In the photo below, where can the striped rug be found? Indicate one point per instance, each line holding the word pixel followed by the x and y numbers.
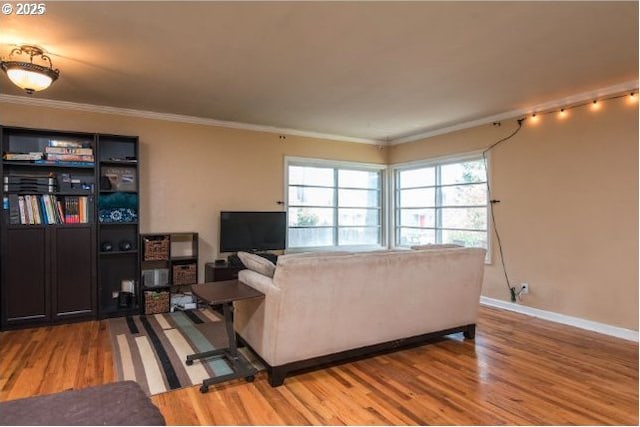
pixel 151 350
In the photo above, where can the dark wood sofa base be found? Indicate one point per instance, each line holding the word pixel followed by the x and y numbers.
pixel 277 374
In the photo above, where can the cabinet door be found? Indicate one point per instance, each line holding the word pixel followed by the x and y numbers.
pixel 25 290
pixel 73 271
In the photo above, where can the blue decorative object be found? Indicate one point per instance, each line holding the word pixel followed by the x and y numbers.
pixel 118 215
pixel 118 200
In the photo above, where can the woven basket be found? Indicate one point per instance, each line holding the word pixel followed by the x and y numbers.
pixel 156 302
pixel 184 274
pixel 156 248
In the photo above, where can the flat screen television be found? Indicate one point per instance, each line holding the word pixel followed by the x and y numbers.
pixel 252 231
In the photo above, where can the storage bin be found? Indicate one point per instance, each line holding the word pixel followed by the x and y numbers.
pixel 185 274
pixel 156 248
pixel 156 302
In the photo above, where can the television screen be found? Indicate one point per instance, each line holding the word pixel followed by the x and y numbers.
pixel 252 231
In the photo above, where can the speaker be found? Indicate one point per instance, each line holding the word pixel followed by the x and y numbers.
pixel 125 245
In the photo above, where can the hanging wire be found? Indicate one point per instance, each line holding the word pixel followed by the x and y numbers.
pixel 493 202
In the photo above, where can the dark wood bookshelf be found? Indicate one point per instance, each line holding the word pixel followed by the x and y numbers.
pixel 116 253
pixel 117 265
pixel 54 273
pixel 116 191
pixel 28 164
pixel 118 162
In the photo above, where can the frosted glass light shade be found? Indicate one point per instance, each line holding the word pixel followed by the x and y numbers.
pixel 28 76
pixel 30 81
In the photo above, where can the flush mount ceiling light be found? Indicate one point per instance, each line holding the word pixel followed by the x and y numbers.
pixel 27 75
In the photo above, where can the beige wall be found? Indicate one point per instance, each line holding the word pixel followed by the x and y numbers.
pixel 189 173
pixel 569 190
pixel 568 216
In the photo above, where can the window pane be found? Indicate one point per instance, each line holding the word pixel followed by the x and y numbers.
pixel 417 177
pixel 469 218
pixel 358 217
pixel 466 238
pixel 358 236
pixel 358 198
pixel 308 237
pixel 309 217
pixel 464 195
pixel 416 236
pixel 417 198
pixel 358 179
pixel 310 196
pixel 418 217
pixel 458 173
pixel 307 175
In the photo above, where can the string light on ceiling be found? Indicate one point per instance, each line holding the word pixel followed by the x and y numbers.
pixel 595 105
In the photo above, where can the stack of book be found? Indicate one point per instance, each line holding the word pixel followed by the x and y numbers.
pixel 67 153
pixel 47 209
pixel 58 153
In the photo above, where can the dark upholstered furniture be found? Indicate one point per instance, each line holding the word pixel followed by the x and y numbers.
pixel 116 404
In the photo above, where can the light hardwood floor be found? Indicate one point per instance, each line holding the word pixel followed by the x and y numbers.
pixel 518 370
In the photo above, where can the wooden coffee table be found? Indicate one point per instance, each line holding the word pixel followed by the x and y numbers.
pixel 225 293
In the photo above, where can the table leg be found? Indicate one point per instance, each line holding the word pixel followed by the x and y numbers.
pixel 240 367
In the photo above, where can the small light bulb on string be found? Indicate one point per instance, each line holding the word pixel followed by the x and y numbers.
pixel 534 119
pixel 633 98
pixel 562 113
pixel 595 105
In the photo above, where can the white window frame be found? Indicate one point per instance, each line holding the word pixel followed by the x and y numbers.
pixel 436 161
pixel 340 164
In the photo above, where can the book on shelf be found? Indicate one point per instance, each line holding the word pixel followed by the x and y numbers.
pixel 69 150
pixel 14 209
pixel 37 155
pixel 71 157
pixel 48 209
pixel 65 143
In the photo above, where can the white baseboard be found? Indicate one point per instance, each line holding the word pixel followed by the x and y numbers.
pixel 614 331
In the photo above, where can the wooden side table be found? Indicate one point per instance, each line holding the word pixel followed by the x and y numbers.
pixel 221 272
pixel 225 293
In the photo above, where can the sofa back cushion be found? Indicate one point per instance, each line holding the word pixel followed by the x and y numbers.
pixel 257 263
pixel 330 304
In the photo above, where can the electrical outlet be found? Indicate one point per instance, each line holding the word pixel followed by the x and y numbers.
pixel 524 289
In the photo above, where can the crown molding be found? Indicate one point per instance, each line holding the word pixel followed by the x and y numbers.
pixel 589 325
pixel 550 105
pixel 562 102
pixel 90 108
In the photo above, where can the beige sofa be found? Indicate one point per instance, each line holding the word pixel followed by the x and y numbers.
pixel 325 307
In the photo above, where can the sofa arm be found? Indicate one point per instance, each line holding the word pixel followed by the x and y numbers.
pixel 255 318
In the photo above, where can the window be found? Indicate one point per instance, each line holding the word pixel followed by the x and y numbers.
pixel 334 204
pixel 442 202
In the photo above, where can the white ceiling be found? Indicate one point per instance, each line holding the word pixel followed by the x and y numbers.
pixel 374 70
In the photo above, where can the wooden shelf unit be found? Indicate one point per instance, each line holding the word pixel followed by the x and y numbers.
pixel 177 270
pixel 52 271
pixel 118 188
